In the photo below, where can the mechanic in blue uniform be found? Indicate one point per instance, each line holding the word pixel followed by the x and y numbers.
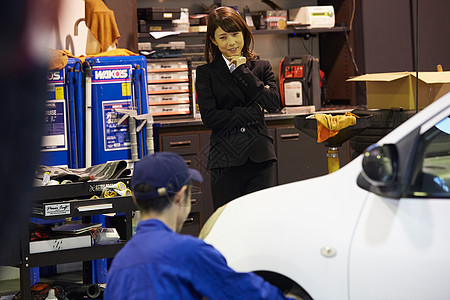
pixel 159 263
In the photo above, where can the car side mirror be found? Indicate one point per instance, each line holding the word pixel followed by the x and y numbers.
pixel 380 164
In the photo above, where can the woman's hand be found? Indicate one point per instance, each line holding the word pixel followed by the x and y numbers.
pixel 237 60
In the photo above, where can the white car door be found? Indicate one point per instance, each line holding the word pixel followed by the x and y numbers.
pixel 401 246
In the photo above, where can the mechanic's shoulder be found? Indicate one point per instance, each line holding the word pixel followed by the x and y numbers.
pixel 190 240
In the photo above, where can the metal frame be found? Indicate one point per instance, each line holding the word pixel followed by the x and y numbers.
pixel 77 195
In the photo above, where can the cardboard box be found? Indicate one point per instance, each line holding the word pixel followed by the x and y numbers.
pixel 387 90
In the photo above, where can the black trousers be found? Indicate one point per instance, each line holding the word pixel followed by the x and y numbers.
pixel 230 183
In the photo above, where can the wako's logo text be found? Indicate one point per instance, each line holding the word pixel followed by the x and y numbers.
pixel 54 76
pixel 110 74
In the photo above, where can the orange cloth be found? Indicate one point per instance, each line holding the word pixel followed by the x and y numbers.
pixel 57 59
pixel 115 52
pixel 67 53
pixel 329 125
pixel 101 22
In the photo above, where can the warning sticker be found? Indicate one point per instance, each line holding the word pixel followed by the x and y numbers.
pixel 54 137
pixel 126 89
pixel 59 92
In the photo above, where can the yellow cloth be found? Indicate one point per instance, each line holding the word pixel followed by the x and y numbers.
pixel 67 53
pixel 329 125
pixel 101 22
pixel 116 52
pixel 57 60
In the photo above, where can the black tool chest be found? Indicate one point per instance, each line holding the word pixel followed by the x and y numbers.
pixel 73 200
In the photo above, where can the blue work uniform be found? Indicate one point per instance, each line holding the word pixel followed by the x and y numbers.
pixel 158 263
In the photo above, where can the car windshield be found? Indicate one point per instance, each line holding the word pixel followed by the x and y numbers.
pixel 444 125
pixel 433 162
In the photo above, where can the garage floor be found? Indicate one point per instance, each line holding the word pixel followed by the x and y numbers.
pixel 11 287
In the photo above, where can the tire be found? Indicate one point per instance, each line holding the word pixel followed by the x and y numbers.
pixel 285 284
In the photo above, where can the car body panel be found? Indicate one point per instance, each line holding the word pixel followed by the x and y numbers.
pixel 401 247
pixel 263 230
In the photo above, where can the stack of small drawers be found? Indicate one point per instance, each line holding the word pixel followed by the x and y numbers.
pixel 169 87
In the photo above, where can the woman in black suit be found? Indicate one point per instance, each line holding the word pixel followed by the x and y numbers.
pixel 233 89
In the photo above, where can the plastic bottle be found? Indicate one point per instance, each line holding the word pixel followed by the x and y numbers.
pixel 51 295
pixel 135 220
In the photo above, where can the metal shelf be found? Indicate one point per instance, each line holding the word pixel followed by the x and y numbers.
pixel 76 198
pixel 72 190
pixel 73 255
pixel 83 207
pixel 145 36
pixel 302 30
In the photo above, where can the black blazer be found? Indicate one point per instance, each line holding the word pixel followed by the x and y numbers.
pixel 231 105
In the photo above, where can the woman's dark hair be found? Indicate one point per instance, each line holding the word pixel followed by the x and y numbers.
pixel 230 21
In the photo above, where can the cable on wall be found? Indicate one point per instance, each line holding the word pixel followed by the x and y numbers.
pixel 353 15
pixel 352 54
pixel 417 56
pixel 415 45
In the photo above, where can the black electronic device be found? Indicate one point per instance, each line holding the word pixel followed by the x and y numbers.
pixel 157 18
pixel 299 81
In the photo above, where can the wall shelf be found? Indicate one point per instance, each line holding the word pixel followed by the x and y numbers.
pixel 146 36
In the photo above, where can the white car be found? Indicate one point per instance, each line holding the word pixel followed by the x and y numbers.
pixel 378 228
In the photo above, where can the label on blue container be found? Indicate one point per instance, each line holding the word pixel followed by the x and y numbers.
pixel 55 85
pixel 116 137
pixel 111 74
pixel 54 137
pixel 55 77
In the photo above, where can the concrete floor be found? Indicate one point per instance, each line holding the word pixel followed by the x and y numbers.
pixel 10 287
